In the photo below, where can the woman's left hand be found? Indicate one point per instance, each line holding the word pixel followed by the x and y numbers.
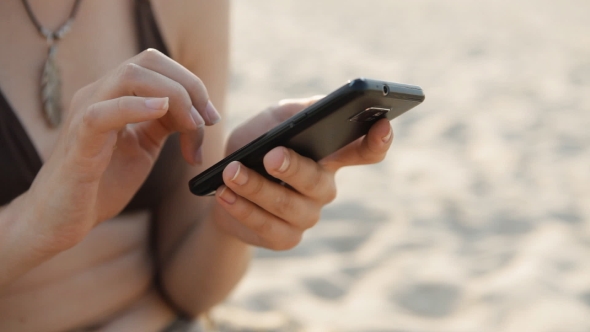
pixel 267 214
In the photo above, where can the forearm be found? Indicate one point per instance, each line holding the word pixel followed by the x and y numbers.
pixel 23 246
pixel 205 268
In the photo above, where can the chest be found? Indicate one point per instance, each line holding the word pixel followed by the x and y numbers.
pixel 102 36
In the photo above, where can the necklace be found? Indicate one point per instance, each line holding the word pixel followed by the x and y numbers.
pixel 50 76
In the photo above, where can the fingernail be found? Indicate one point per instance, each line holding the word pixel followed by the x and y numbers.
pixel 386 138
pixel 285 163
pixel 197 117
pixel 199 156
pixel 212 113
pixel 227 196
pixel 157 103
pixel 240 177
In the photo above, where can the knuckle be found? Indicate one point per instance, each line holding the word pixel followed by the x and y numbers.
pixel 265 243
pixel 254 187
pixel 312 182
pixel 245 212
pixel 284 102
pixel 313 219
pixel 81 95
pixel 325 188
pixel 372 155
pixel 120 105
pixel 376 158
pixel 128 72
pixel 195 84
pixel 264 227
pixel 90 116
pixel 182 95
pixel 288 242
pixel 294 240
pixel 284 204
pixel 331 193
pixel 77 97
pixel 150 55
pixel 291 107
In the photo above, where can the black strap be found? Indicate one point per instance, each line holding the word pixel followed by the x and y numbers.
pixel 149 33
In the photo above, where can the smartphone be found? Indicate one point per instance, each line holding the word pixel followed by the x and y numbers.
pixel 321 129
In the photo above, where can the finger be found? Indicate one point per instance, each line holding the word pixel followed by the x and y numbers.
pixel 303 174
pixel 307 101
pixel 370 149
pixel 276 114
pixel 157 61
pixel 286 204
pixel 268 230
pixel 132 79
pixel 191 146
pixel 190 142
pixel 114 114
pixel 286 108
pixel 269 118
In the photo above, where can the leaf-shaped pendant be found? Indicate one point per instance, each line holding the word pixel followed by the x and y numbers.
pixel 51 89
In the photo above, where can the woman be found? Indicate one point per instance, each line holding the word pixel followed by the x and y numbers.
pixel 86 242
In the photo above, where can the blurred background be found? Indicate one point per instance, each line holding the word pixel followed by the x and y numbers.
pixel 478 220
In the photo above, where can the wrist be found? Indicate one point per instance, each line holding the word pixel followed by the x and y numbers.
pixel 24 243
pixel 19 244
pixel 218 228
pixel 43 225
pixel 219 224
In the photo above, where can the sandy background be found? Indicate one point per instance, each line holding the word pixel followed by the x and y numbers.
pixel 479 219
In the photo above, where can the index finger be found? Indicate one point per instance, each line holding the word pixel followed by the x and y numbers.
pixel 155 60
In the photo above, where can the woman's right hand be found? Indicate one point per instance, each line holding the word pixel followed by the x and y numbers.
pixel 113 133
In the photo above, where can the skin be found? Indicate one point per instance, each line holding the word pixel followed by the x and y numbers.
pixel 122 108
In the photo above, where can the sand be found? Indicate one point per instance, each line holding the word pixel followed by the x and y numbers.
pixel 479 218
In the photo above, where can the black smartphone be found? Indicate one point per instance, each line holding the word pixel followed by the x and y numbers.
pixel 324 127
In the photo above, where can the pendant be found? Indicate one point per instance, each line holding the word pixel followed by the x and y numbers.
pixel 51 89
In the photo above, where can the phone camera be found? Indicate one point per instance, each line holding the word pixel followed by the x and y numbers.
pixel 385 90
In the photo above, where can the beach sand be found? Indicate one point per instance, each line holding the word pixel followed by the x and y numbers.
pixel 479 218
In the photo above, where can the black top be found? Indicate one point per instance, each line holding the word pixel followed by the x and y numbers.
pixel 20 162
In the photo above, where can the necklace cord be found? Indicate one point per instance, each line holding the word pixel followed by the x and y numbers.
pixel 50 82
pixel 59 32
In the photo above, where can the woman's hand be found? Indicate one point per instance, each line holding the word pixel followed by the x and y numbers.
pixel 112 135
pixel 274 216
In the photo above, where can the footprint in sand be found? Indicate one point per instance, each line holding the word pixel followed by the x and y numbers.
pixel 428 299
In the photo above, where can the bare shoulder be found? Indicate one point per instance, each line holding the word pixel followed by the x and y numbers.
pixel 193 29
